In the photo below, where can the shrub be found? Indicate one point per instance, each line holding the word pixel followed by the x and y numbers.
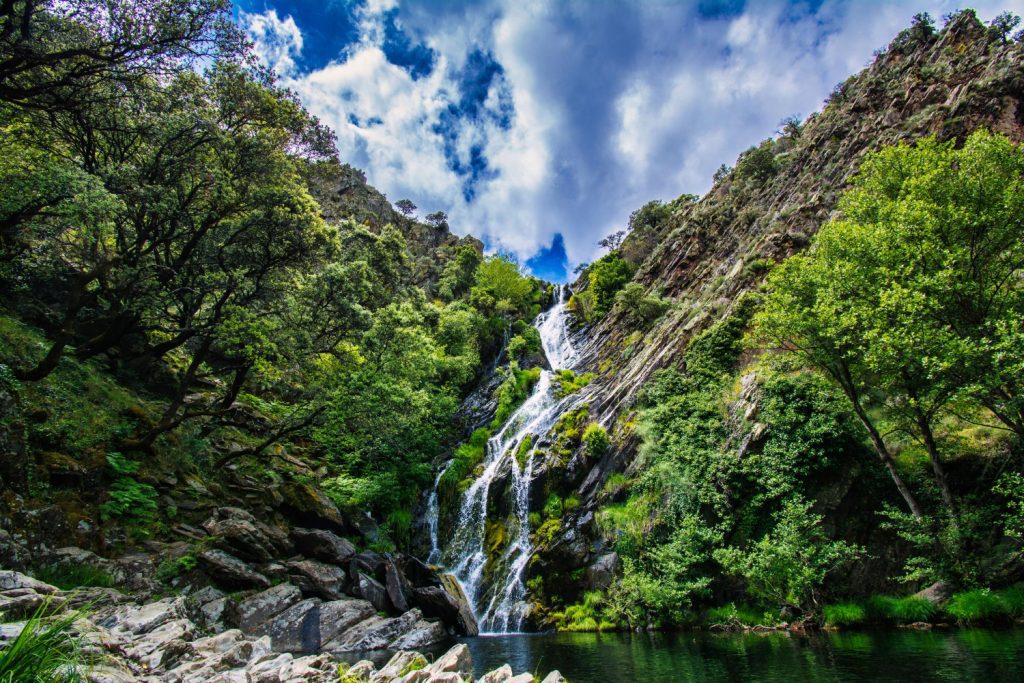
pixel 569 382
pixel 844 614
pixel 46 650
pixel 1012 599
pixel 639 307
pixel 170 569
pixel 607 276
pixel 68 576
pixel 738 615
pixel 903 610
pixel 975 606
pixel 132 501
pixel 595 440
pixel 513 391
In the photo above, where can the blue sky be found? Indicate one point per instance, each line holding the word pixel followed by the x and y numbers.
pixel 539 126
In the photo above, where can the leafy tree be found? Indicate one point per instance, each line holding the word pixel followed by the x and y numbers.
pixel 406 207
pixel 612 241
pixel 607 276
pixel 438 219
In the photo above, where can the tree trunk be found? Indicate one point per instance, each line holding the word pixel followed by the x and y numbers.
pixel 940 473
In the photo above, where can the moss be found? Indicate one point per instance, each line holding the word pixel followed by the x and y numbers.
pixel 570 383
pixel 596 441
pixel 547 532
pixel 523 450
pixel 415 664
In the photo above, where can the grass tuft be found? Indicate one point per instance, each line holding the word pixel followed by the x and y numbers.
pixel 69 576
pixel 975 606
pixel 844 614
pixel 47 649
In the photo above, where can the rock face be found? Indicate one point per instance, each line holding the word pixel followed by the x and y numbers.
pixel 448 603
pixel 231 571
pixel 323 545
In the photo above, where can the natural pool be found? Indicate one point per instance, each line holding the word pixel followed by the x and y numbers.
pixel 990 655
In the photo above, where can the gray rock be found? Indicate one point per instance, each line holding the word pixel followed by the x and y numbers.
pixel 338 616
pixel 230 571
pixel 10 580
pixel 362 670
pixel 554 677
pixel 423 634
pixel 398 587
pixel 379 633
pixel 367 562
pixel 602 571
pixel 259 608
pixel 318 578
pixel 400 664
pixel 449 604
pixel 374 592
pixel 238 532
pixel 457 660
pixel 323 545
pixel 297 629
pixel 502 674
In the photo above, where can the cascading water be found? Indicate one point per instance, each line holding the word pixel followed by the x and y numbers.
pixel 501 606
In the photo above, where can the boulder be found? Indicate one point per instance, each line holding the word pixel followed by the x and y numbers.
pixel 380 633
pixel 319 579
pixel 602 571
pixel 259 608
pixel 398 587
pixel 229 571
pixel 418 573
pixel 449 604
pixel 502 674
pixel 362 670
pixel 297 629
pixel 400 664
pixel 422 634
pixel 457 660
pixel 369 563
pixel 310 507
pixel 554 677
pixel 239 533
pixel 20 603
pixel 323 545
pixel 937 593
pixel 12 580
pixel 337 616
pixel 374 592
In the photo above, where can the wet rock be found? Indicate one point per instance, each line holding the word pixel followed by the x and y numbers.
pixel 259 608
pixel 20 603
pixel 450 607
pixel 323 545
pixel 423 634
pixel 374 592
pixel 419 574
pixel 229 571
pixel 297 629
pixel 318 578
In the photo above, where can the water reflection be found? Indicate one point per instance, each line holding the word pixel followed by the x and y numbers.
pixel 948 655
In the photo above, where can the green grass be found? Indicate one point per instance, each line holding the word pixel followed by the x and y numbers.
pixel 905 610
pixel 844 614
pixel 1013 600
pixel 738 615
pixel 69 576
pixel 976 606
pixel 46 650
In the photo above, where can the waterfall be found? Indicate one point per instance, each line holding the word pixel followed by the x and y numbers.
pixel 501 606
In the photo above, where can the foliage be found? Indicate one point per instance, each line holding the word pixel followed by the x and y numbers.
pixel 737 615
pixel 513 391
pixel 593 613
pixel 788 565
pixel 596 440
pixel 757 164
pixel 47 650
pixel 975 606
pixel 904 610
pixel 171 568
pixel 844 614
pixel 130 500
pixel 525 343
pixel 569 382
pixel 467 456
pixel 606 276
pixel 640 307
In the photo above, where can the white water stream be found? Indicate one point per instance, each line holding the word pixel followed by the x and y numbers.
pixel 501 606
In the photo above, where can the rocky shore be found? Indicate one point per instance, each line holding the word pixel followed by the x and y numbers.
pixel 181 639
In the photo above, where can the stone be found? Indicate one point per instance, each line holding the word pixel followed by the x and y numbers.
pixel 362 670
pixel 374 592
pixel 20 603
pixel 423 634
pixel 502 674
pixel 239 533
pixel 337 616
pixel 457 660
pixel 323 545
pixel 937 593
pixel 10 580
pixel 380 633
pixel 138 620
pixel 397 586
pixel 318 579
pixel 554 677
pixel 400 664
pixel 230 571
pixel 449 604
pixel 602 570
pixel 297 629
pixel 310 507
pixel 259 608
pixel 418 573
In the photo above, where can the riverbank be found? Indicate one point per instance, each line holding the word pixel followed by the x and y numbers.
pixel 104 636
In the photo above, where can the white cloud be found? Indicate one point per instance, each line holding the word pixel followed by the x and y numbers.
pixel 615 104
pixel 276 42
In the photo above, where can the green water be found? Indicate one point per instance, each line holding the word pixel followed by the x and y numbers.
pixel 989 655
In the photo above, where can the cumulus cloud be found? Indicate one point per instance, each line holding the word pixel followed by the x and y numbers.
pixel 526 120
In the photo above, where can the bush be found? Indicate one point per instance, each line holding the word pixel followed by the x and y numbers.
pixel 844 614
pixel 170 569
pixel 595 440
pixel 738 615
pixel 1012 599
pixel 639 307
pixel 46 650
pixel 975 606
pixel 513 391
pixel 607 276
